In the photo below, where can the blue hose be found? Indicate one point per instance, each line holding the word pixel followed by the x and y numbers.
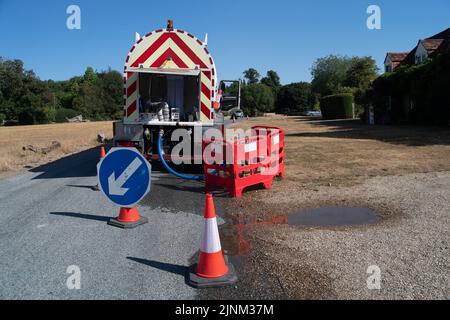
pixel 169 169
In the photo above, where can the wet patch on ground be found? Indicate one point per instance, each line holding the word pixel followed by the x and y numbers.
pixel 234 234
pixel 333 217
pixel 264 276
pixel 260 276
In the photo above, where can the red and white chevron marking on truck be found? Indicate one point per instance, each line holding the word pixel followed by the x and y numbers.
pixel 172 49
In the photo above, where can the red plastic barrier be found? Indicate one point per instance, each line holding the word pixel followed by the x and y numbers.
pixel 245 162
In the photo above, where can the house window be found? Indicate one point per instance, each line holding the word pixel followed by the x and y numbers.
pixel 420 59
pixel 388 68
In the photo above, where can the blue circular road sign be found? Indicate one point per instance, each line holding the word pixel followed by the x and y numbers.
pixel 124 176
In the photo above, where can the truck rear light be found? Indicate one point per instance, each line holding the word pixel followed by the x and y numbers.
pixel 126 144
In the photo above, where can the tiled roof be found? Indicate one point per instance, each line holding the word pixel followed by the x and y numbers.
pixel 397 56
pixel 440 41
pixel 431 45
pixel 442 35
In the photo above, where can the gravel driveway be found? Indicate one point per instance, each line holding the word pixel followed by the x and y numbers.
pixel 409 245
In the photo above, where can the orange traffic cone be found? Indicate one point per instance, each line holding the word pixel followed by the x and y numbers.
pixel 213 269
pixel 102 155
pixel 102 152
pixel 128 218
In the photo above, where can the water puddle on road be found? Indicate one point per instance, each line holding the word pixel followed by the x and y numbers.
pixel 235 241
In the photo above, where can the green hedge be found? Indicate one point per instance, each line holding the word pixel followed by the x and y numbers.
pixel 426 85
pixel 338 106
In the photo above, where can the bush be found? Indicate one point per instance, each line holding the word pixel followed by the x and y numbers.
pixel 339 106
pixel 62 114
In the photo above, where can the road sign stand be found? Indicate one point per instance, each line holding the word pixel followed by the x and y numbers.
pixel 128 218
pixel 202 283
pixel 124 177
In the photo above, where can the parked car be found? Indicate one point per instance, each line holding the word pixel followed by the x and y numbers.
pixel 237 114
pixel 313 114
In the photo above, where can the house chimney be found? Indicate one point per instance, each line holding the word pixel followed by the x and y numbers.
pixel 169 24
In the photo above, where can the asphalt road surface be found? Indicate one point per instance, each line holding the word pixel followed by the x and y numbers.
pixel 51 219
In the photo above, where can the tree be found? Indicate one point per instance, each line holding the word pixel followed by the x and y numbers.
pixel 272 80
pixel 361 72
pixel 294 97
pixel 111 89
pixel 329 74
pixel 88 103
pixel 252 76
pixel 11 86
pixel 256 98
pixel 90 76
pixel 24 97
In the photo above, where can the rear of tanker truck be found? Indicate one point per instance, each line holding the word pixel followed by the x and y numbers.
pixel 170 83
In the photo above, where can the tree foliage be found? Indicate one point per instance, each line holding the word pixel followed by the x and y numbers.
pixel 26 98
pixel 329 74
pixel 272 80
pixel 23 96
pixel 294 97
pixel 343 75
pixel 252 76
pixel 98 95
pixel 340 74
pixel 361 72
pixel 256 99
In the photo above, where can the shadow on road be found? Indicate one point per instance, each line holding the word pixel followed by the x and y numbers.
pixel 168 267
pixel 200 188
pixel 82 164
pixel 188 188
pixel 93 187
pixel 189 169
pixel 81 216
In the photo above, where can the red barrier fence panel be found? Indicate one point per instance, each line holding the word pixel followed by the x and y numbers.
pixel 244 162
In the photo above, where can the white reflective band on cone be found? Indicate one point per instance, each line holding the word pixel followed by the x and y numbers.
pixel 210 237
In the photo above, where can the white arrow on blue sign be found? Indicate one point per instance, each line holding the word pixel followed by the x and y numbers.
pixel 124 176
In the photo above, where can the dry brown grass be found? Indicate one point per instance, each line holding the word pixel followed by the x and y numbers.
pixel 73 137
pixel 347 152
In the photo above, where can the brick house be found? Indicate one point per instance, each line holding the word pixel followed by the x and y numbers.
pixel 424 49
pixel 404 97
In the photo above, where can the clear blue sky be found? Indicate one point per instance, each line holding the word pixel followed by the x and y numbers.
pixel 283 35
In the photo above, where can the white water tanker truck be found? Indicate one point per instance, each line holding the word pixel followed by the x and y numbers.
pixel 170 82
